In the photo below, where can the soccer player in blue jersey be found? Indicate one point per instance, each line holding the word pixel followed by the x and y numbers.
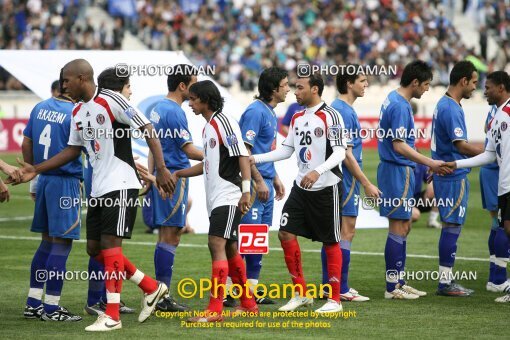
pixel 169 215
pixel 259 127
pixel 489 176
pixel 350 87
pixel 55 216
pixel 395 174
pixel 449 142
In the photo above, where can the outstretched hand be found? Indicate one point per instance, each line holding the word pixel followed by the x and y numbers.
pixel 23 174
pixel 442 168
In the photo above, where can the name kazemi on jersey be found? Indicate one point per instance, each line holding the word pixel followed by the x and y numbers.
pixel 110 154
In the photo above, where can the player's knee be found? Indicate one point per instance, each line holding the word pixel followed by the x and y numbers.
pixel 231 249
pixel 285 236
pixel 416 215
pixel 92 250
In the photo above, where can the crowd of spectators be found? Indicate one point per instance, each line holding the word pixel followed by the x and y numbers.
pixel 241 37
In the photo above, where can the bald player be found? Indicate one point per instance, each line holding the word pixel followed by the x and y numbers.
pixel 101 124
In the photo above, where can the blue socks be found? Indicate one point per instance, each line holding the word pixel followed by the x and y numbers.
pixel 253 266
pixel 345 247
pixel 96 287
pixel 164 261
pixel 447 252
pixel 324 261
pixel 501 260
pixel 394 256
pixel 56 267
pixel 38 264
pixel 492 253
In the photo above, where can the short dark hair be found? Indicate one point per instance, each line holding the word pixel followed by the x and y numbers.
pixel 462 69
pixel 108 79
pixel 269 81
pixel 181 73
pixel 346 77
pixel 55 86
pixel 416 70
pixel 500 78
pixel 208 93
pixel 315 79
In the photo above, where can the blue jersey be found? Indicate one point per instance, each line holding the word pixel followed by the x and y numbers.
pixel 351 123
pixel 396 122
pixel 170 123
pixel 259 127
pixel 293 108
pixel 448 126
pixel 492 113
pixel 49 128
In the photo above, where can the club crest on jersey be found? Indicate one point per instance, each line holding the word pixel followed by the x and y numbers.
pixel 305 155
pixel 184 134
pixel 232 140
pixel 250 134
pixel 458 132
pixel 100 119
pixel 97 146
pixel 154 117
pixel 318 132
pixel 504 126
pixel 130 112
pixel 212 143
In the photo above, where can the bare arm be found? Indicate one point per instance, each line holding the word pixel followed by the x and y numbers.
pixel 195 170
pixel 27 151
pixel 65 156
pixel 468 149
pixel 192 152
pixel 244 202
pixel 262 189
pixel 150 163
pixel 410 153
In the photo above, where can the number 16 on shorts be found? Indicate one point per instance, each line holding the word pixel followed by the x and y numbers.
pixel 253 239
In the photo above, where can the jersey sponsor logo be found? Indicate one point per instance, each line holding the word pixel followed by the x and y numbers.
pixel 232 140
pixel 250 134
pixel 212 143
pixel 100 119
pixel 504 126
pixel 318 132
pixel 305 155
pixel 130 112
pixel 458 132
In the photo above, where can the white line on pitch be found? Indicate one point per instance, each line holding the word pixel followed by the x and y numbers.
pixel 190 245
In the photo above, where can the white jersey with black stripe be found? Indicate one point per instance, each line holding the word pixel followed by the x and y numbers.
pixel 223 145
pixel 313 133
pixel 102 126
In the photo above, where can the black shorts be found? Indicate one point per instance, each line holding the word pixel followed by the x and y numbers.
pixel 113 213
pixel 421 202
pixel 503 209
pixel 316 215
pixel 224 222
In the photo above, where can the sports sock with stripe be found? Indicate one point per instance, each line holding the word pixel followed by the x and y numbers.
pixel 237 271
pixel 96 286
pixel 292 254
pixel 145 282
pixel 334 255
pixel 253 266
pixel 501 256
pixel 345 247
pixel 163 262
pixel 218 280
pixel 56 267
pixel 393 255
pixel 114 269
pixel 447 252
pixel 38 264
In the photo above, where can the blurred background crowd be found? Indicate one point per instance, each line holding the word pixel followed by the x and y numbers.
pixel 241 37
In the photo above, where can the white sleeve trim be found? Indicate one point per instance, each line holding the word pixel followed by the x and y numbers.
pixel 276 155
pixel 335 159
pixel 487 157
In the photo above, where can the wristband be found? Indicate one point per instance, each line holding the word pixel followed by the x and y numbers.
pixel 246 186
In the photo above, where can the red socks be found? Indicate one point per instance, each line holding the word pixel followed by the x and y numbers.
pixel 334 258
pixel 145 282
pixel 237 272
pixel 218 278
pixel 114 269
pixel 292 254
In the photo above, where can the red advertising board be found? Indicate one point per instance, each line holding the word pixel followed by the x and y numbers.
pixel 11 134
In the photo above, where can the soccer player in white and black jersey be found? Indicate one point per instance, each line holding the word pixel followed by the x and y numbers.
pixel 101 123
pixel 497 91
pixel 313 209
pixel 227 195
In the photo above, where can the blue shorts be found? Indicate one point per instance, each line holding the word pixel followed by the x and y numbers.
pixel 489 188
pixel 452 199
pixel 397 185
pixel 350 197
pixel 261 212
pixel 57 211
pixel 172 211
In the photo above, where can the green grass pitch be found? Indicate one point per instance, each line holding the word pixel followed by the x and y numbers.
pixel 427 317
